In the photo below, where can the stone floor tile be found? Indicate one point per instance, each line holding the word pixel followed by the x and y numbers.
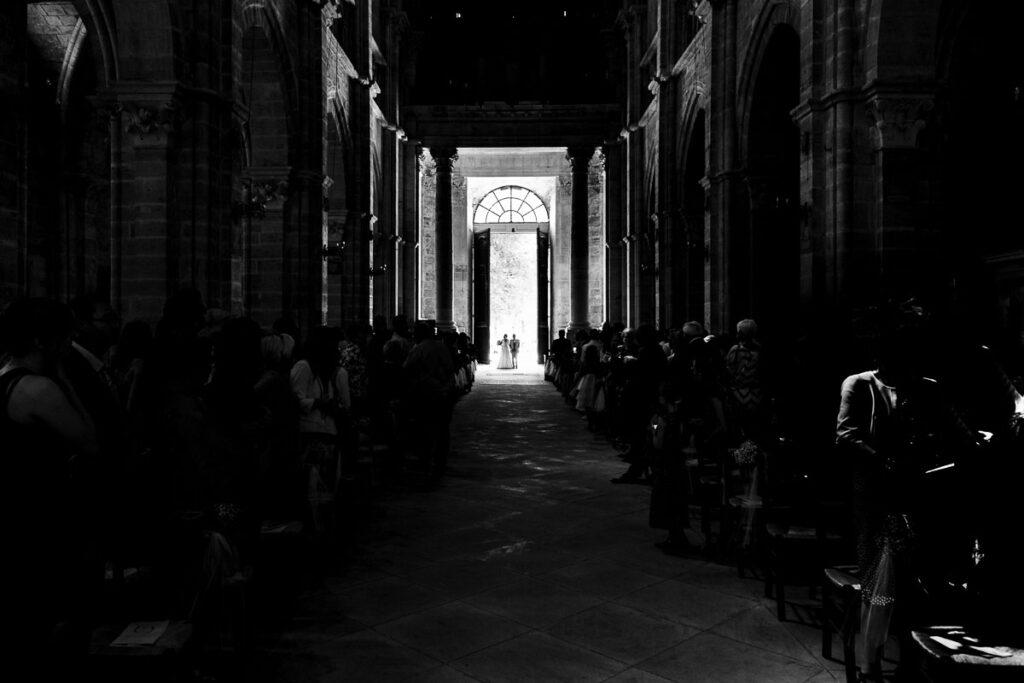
pixel 760 627
pixel 452 631
pixel 536 657
pixel 602 578
pixel 621 633
pixel 442 674
pixel 460 578
pixel 713 659
pixel 377 602
pixel 370 657
pixel 533 602
pixel 637 676
pixel 686 604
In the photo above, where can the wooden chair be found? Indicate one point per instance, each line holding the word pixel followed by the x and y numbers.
pixel 709 489
pixel 955 653
pixel 799 540
pixel 840 614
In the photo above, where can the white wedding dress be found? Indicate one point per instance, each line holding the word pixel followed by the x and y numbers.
pixel 504 356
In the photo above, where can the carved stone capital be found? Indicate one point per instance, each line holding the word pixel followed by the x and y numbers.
pixel 444 158
pixel 258 196
pixel 897 119
pixel 579 158
pixel 149 124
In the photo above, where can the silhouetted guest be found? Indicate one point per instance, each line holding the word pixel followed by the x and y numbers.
pixel 49 445
pixel 746 400
pixel 322 388
pixel 640 397
pixel 280 475
pixel 431 373
pixel 238 424
pixel 353 359
pixel 890 427
pixel 128 364
pixel 89 372
pixel 400 343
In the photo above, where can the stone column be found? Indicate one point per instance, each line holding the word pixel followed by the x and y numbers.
pixel 13 216
pixel 725 181
pixel 149 247
pixel 444 157
pixel 613 232
pixel 305 272
pixel 579 271
pixel 906 253
pixel 409 217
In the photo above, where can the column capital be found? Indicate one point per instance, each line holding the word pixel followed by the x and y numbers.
pixel 444 158
pixel 579 157
pixel 149 124
pixel 897 117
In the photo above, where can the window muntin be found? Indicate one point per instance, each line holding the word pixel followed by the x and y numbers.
pixel 511 204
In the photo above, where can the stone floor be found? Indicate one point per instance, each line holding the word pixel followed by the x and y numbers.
pixel 526 564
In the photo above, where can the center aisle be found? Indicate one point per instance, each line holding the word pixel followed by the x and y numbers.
pixel 526 564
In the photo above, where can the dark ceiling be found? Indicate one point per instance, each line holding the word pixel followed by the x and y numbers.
pixel 521 51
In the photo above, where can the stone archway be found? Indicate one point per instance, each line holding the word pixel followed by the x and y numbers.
pixel 68 133
pixel 694 214
pixel 501 228
pixel 767 265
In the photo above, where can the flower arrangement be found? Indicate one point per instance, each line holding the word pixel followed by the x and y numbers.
pixel 747 453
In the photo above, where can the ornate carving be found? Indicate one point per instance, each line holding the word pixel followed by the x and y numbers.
pixel 579 158
pixel 144 122
pixel 258 196
pixel 898 119
pixel 444 158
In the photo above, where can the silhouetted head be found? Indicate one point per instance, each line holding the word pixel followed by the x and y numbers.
pixel 31 325
pixel 422 331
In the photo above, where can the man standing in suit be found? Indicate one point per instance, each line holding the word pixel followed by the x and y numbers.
pixel 513 346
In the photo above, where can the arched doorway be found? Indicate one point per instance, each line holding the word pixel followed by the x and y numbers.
pixel 694 213
pixel 771 249
pixel 511 247
pixel 68 238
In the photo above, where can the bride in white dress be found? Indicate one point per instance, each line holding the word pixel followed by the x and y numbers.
pixel 504 355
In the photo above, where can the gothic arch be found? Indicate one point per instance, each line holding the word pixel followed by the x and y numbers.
pixel 693 166
pixel 695 105
pixel 339 147
pixel 765 261
pixel 257 13
pixel 150 31
pixel 774 16
pixel 900 39
pixel 99 23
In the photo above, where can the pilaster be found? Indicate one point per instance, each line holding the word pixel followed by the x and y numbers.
pixel 444 158
pixel 579 267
